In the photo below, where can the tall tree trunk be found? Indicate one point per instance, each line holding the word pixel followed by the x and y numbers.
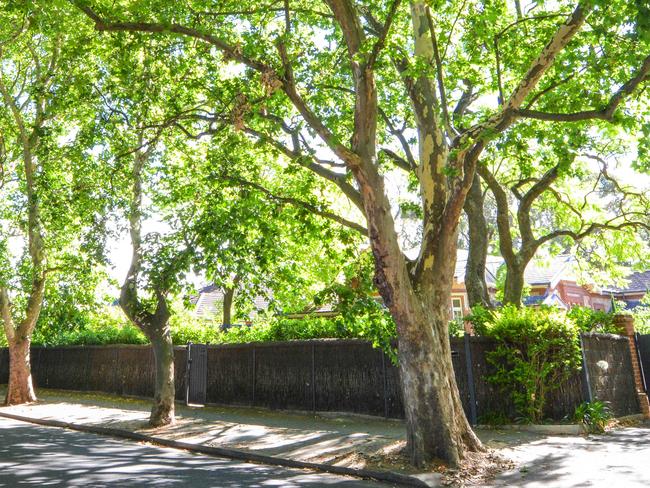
pixel 154 324
pixel 435 420
pixel 163 409
pixel 477 290
pixel 436 423
pixel 20 388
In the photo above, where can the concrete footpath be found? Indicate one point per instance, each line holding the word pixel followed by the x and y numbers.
pixel 345 444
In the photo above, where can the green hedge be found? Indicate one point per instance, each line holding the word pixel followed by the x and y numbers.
pixel 109 326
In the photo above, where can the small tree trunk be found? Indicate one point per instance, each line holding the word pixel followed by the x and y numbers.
pixel 228 296
pixel 477 290
pixel 513 289
pixel 20 388
pixel 163 409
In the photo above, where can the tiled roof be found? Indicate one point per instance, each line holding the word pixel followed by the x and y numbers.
pixel 492 264
pixel 552 300
pixel 632 304
pixel 637 282
pixel 209 302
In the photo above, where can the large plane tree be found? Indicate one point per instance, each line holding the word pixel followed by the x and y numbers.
pixel 350 88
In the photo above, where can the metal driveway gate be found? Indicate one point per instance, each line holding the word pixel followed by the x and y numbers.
pixel 643 348
pixel 197 374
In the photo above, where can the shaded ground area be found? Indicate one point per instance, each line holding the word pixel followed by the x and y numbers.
pixel 615 459
pixel 342 440
pixel 31 455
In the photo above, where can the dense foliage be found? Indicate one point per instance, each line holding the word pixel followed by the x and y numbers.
pixel 238 139
pixel 108 325
pixel 537 349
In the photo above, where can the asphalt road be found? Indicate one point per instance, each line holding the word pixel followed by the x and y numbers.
pixel 31 455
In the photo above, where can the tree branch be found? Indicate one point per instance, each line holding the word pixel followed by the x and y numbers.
pixel 297 202
pixel 507 114
pixel 381 41
pixel 605 113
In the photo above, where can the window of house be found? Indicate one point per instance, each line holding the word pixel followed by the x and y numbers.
pixel 457 312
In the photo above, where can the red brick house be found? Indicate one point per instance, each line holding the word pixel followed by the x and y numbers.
pixel 552 282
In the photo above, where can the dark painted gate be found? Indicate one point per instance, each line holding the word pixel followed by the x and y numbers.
pixel 643 347
pixel 197 373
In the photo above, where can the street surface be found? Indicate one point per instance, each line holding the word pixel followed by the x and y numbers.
pixel 32 455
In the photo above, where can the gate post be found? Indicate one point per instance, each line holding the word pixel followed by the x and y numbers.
pixel 469 365
pixel 187 373
pixel 625 324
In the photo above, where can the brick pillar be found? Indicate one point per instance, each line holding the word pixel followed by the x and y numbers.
pixel 625 324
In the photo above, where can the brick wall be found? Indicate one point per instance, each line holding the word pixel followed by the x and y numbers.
pixel 625 324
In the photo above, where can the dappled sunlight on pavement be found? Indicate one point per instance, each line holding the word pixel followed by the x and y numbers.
pixel 616 459
pixel 611 460
pixel 43 456
pixel 300 437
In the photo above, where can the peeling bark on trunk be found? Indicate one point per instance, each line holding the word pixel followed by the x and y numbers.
pixel 20 389
pixel 477 290
pixel 436 423
pixel 435 420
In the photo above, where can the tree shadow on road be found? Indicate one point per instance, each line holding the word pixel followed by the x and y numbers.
pixel 40 456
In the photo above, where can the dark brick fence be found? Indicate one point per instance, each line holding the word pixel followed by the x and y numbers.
pixel 327 375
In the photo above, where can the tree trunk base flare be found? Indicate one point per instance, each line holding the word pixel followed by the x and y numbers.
pixel 162 413
pixel 163 410
pixel 437 428
pixel 20 389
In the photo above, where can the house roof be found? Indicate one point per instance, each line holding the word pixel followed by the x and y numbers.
pixel 552 300
pixel 492 264
pixel 637 282
pixel 543 272
pixel 210 301
pixel 538 272
pixel 633 304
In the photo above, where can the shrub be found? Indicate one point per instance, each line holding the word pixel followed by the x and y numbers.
pixel 642 319
pixel 593 415
pixel 108 325
pixel 537 350
pixel 456 328
pixel 590 320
